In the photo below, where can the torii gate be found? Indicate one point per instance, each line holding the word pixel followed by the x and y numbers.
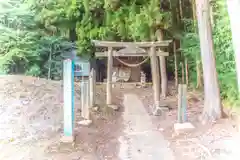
pixel 152 49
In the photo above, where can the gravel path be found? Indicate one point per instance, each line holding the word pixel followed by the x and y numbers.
pixel 141 140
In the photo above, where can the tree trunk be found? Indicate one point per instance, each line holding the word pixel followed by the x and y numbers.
pixel 211 14
pixel 50 62
pixel 176 17
pixel 194 11
pixel 198 59
pixel 199 73
pixel 212 102
pixel 186 71
pixel 175 64
pixel 162 66
pixel 234 12
pixel 180 9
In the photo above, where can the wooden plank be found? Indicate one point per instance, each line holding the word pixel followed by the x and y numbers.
pixel 132 50
pixel 125 83
pixel 116 54
pixel 125 44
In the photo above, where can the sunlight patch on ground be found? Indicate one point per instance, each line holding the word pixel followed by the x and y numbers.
pixel 141 140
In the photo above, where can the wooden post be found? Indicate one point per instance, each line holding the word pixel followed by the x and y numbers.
pixel 179 103
pixel 92 87
pixel 155 77
pixel 184 103
pixel 182 125
pixel 85 99
pixel 109 76
pixel 175 64
pixel 68 94
pixel 163 75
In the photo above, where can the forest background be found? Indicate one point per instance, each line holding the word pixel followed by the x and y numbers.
pixel 35 33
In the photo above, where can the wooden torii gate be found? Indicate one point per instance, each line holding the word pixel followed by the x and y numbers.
pixel 118 49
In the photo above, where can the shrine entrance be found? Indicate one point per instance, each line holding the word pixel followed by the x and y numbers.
pixel 118 51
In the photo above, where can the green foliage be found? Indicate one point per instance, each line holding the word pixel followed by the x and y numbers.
pixel 34 33
pixel 119 21
pixel 34 70
pixel 24 47
pixel 190 47
pixel 225 62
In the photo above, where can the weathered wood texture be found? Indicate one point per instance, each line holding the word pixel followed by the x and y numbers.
pixel 117 54
pixel 162 66
pixel 164 80
pixel 212 102
pixel 125 44
pixel 109 76
pixel 133 49
pixel 155 77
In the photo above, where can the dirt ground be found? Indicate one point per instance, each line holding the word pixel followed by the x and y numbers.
pixel 31 124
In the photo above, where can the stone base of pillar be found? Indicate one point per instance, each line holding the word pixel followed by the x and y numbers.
pixel 114 107
pixel 86 122
pixel 159 110
pixel 183 127
pixel 67 139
